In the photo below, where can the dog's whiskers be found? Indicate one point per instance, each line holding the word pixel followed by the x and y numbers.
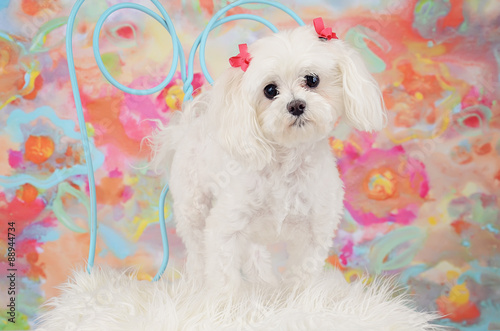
pixel 299 121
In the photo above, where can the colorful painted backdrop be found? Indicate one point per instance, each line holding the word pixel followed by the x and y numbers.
pixel 422 196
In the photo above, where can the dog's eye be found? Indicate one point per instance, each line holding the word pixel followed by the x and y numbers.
pixel 271 91
pixel 312 80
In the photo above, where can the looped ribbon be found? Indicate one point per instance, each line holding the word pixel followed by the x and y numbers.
pixel 323 33
pixel 241 60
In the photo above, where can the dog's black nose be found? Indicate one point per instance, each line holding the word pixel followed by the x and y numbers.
pixel 296 107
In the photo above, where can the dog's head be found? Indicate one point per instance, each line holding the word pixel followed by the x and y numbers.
pixel 294 90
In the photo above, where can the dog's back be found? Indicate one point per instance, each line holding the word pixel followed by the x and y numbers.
pixel 167 137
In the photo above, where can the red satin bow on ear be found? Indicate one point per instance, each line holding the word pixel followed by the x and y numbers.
pixel 325 33
pixel 241 60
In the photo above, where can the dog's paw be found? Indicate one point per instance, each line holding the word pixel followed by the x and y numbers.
pixel 299 276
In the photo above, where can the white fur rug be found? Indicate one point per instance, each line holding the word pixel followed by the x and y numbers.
pixel 112 300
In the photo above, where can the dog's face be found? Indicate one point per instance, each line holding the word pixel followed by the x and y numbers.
pixel 296 87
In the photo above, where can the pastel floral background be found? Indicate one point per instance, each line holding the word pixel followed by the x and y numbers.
pixel 422 196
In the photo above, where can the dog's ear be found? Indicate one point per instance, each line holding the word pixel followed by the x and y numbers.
pixel 237 127
pixel 363 102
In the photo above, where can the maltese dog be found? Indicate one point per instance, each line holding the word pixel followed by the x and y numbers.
pixel 249 162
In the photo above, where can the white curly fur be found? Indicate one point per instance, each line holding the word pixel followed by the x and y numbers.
pixel 244 172
pixel 111 300
pixel 243 176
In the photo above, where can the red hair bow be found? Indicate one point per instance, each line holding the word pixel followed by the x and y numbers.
pixel 241 60
pixel 323 33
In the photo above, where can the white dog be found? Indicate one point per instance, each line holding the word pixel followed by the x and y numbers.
pixel 249 163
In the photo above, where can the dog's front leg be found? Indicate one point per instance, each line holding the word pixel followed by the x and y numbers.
pixel 257 267
pixel 308 249
pixel 225 241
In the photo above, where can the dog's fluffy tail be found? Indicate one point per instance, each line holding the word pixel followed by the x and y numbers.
pixel 166 138
pixel 162 143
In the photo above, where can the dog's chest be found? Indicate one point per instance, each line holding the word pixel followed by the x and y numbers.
pixel 289 198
